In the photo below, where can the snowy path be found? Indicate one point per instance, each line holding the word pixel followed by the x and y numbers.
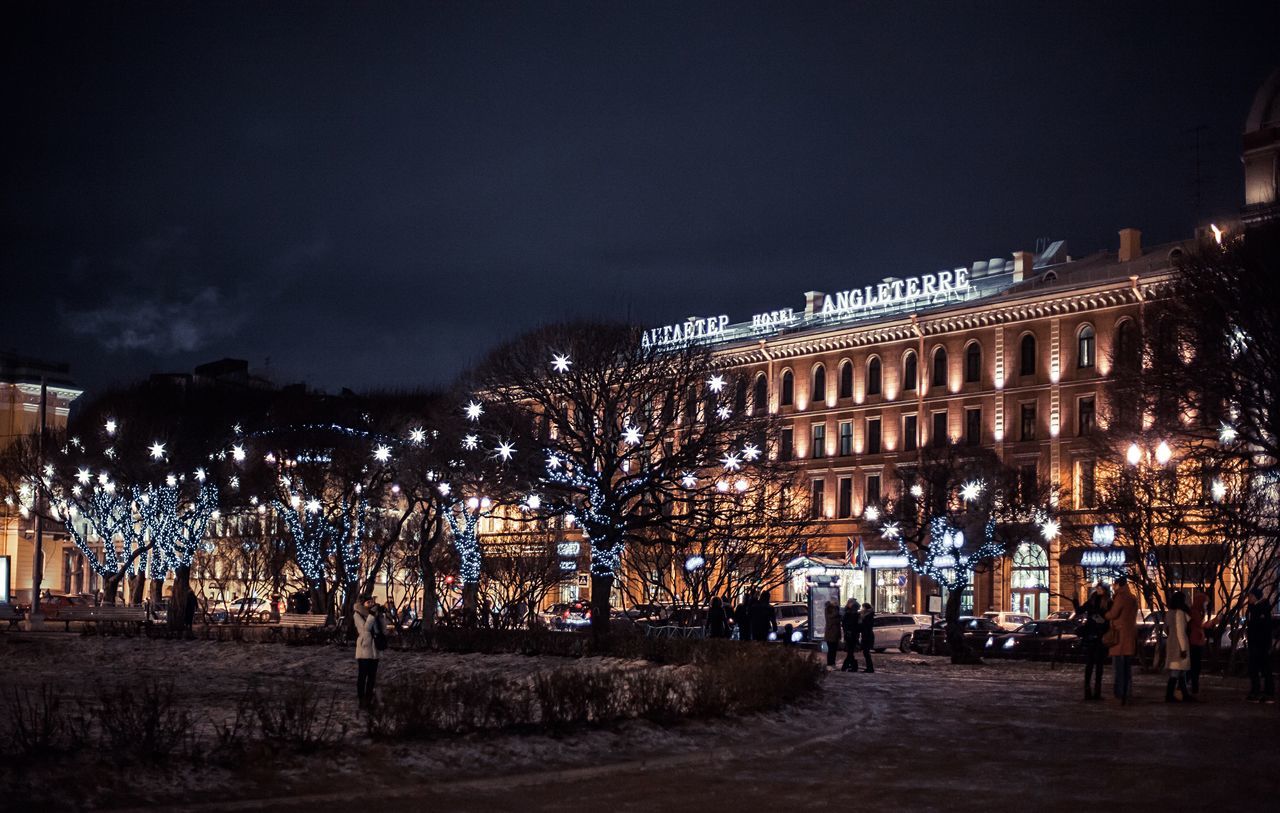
pixel 919 734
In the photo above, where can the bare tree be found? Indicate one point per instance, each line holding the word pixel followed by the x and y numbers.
pixel 627 428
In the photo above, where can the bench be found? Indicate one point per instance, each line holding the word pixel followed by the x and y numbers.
pixel 297 621
pixel 12 614
pixel 130 616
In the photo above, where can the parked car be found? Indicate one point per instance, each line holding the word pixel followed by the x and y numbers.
pixel 50 606
pixel 1037 639
pixel 1008 621
pixel 976 632
pixel 1061 615
pixel 895 630
pixel 797 615
pixel 249 608
pixel 569 616
pixel 645 612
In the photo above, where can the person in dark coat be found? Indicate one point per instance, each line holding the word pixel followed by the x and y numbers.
pixel 742 617
pixel 1262 686
pixel 1094 615
pixel 189 611
pixel 868 635
pixel 717 620
pixel 831 631
pixel 763 619
pixel 1196 634
pixel 851 623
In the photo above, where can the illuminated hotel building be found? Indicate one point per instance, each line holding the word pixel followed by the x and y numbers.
pixel 1005 354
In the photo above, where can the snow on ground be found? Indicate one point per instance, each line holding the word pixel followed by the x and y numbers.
pixel 918 734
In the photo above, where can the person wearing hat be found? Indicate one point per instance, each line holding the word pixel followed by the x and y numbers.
pixel 1258 623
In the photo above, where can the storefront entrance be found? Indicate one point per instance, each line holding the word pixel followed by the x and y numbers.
pixel 1029 580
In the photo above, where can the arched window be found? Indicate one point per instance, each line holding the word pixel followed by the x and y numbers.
pixel 1086 347
pixel 740 396
pixel 973 363
pixel 760 397
pixel 873 376
pixel 819 392
pixel 1027 355
pixel 846 379
pixel 788 390
pixel 910 373
pixel 939 367
pixel 1126 350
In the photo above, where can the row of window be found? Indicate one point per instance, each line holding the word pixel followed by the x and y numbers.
pixel 1086 357
pixel 1086 421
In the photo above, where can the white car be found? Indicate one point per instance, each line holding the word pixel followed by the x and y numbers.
pixel 1008 621
pixel 894 629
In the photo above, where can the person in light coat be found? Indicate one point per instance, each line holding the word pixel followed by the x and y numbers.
pixel 368 621
pixel 1123 618
pixel 1177 649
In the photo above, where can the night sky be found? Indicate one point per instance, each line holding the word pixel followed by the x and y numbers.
pixel 370 195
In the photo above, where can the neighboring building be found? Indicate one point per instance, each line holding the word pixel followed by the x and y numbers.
pixel 1261 155
pixel 20 385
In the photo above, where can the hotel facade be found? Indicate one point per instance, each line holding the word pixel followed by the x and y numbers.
pixel 1010 355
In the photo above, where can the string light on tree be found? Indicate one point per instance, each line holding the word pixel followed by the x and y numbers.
pixel 237 453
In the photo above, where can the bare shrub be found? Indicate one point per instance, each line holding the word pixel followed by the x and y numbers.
pixel 297 717
pixel 40 722
pixel 147 721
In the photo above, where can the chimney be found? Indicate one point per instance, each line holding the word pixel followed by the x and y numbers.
pixel 1023 262
pixel 1130 245
pixel 813 302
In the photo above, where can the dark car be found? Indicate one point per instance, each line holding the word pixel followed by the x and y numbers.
pixel 50 606
pixel 976 631
pixel 1055 640
pixel 569 616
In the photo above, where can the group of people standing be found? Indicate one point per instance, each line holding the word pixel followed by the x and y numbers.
pixel 753 617
pixel 857 625
pixel 1110 630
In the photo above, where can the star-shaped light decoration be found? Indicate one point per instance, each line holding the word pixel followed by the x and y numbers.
pixel 110 487
pixel 75 442
pixel 716 382
pixel 76 490
pixel 84 476
pixel 443 488
pixel 103 477
pixel 237 453
pixel 890 530
pixel 171 481
pixel 382 453
pixel 269 457
pixel 533 502
pixel 253 500
pixel 970 490
pixel 313 506
pixel 470 442
pixel 631 435
pixel 1218 489
pixel 1227 433
pixel 474 410
pixel 871 514
pixel 295 501
pixel 417 435
pixel 157 450
pixel 1049 529
pixel 917 491
pixel 235 428
pixel 110 426
pixel 48 470
pixel 505 450
pixel 723 413
pixel 731 462
pixel 689 480
pixel 235 482
pixel 553 462
pixel 750 452
pixel 560 363
pixel 201 475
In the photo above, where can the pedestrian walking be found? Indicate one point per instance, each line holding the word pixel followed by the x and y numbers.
pixel 1122 638
pixel 1262 686
pixel 831 631
pixel 764 621
pixel 1177 649
pixel 1093 629
pixel 1196 635
pixel 717 620
pixel 851 623
pixel 369 628
pixel 742 617
pixel 867 635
